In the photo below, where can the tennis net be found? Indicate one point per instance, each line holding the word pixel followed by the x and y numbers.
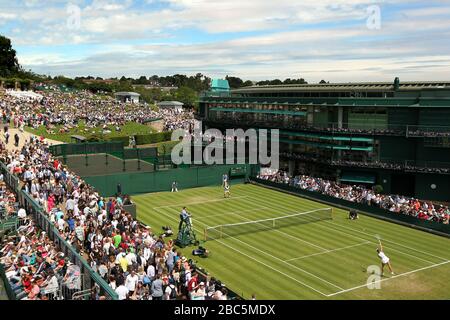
pixel 234 229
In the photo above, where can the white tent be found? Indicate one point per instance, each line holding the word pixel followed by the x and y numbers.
pixel 26 95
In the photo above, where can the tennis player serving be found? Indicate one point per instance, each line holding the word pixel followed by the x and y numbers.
pixel 384 259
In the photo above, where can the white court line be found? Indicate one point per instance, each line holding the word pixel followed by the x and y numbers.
pixel 281 260
pixel 390 278
pixel 198 202
pixel 333 250
pixel 356 237
pixel 368 234
pixel 228 213
pixel 284 233
pixel 263 263
pixel 385 240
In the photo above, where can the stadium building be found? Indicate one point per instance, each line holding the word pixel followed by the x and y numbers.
pixel 395 135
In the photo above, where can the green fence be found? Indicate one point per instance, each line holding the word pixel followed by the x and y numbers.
pixel 90 277
pixel 86 148
pixel 146 182
pixel 136 153
pixel 7 285
pixel 104 163
pixel 429 226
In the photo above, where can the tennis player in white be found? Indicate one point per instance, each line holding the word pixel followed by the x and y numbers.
pixel 384 260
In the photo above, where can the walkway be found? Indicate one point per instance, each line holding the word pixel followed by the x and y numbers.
pixel 23 136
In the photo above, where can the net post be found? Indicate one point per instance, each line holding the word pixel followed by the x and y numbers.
pixel 332 213
pixel 205 234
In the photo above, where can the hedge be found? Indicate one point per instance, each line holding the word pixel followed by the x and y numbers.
pixel 125 140
pixel 153 138
pixel 145 138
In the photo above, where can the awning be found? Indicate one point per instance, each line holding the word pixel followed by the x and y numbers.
pixel 242 110
pixel 358 177
pixel 78 138
pixel 322 137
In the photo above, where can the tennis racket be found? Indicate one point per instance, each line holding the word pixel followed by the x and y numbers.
pixel 378 238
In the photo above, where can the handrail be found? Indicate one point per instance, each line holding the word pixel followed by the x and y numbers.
pixel 42 220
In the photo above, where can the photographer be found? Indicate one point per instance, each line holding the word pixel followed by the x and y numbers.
pixel 353 215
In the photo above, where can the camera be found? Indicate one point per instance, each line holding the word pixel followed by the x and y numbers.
pixel 167 231
pixel 202 252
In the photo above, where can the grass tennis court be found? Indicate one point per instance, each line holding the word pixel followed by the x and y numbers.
pixel 326 259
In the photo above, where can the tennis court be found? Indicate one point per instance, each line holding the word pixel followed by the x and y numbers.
pixel 308 256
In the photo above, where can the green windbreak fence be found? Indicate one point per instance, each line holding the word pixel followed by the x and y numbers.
pixel 136 153
pixel 115 148
pixel 146 182
pixel 367 120
pixel 86 148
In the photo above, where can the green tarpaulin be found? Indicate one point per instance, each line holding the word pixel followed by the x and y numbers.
pixel 358 177
pixel 242 110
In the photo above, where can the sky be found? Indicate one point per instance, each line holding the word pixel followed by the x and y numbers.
pixel 334 40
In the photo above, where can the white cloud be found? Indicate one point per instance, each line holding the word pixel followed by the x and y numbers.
pixel 309 38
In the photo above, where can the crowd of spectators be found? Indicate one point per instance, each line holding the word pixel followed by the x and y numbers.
pixel 441 168
pixel 66 110
pixel 33 265
pixel 292 123
pixel 137 263
pixel 429 132
pixel 425 210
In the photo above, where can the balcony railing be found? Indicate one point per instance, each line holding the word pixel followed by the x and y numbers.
pixel 387 164
pixel 334 127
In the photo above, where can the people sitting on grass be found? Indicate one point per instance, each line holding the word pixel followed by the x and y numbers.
pixel 57 108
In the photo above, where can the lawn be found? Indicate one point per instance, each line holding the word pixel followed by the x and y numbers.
pixel 130 128
pixel 318 260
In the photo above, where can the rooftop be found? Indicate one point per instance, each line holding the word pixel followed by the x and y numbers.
pixel 126 94
pixel 170 103
pixel 362 86
pixel 219 84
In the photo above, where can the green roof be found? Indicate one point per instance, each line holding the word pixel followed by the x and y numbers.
pixel 407 102
pixel 220 85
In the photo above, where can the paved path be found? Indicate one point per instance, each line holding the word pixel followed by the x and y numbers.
pixel 23 136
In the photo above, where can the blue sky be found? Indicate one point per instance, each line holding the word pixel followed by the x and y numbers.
pixel 335 40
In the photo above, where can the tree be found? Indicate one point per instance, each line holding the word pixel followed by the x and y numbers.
pixel 186 95
pixel 9 64
pixel 322 81
pixel 235 82
pixel 141 80
pixel 276 82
